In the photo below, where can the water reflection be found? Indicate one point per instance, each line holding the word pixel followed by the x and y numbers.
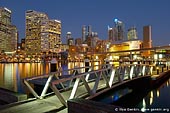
pixel 157 100
pixel 148 100
pixel 12 74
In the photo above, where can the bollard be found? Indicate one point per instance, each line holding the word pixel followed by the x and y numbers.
pixel 53 65
pixel 162 69
pixel 131 62
pixel 138 62
pixel 157 69
pixel 86 64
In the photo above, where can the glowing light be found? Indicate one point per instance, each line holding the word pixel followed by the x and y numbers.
pixel 155 57
pixel 115 20
pixel 160 56
pixel 143 109
pixel 110 58
pixel 151 94
pixel 7 9
pixel 151 101
pixel 158 94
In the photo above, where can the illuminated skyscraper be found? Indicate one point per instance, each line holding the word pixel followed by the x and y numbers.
pixel 8 32
pixel 42 34
pixel 112 34
pixel 86 32
pixel 132 33
pixel 70 40
pixel 120 30
pixel 117 32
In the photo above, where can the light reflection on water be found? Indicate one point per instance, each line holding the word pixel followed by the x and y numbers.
pixel 12 74
pixel 157 100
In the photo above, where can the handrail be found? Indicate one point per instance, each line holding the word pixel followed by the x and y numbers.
pixel 122 72
pixel 50 77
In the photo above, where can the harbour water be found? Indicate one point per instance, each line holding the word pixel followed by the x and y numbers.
pixel 148 101
pixel 12 74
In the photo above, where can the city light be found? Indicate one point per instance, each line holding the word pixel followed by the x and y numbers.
pixel 116 20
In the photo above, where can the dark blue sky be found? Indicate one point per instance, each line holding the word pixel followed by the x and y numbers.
pixel 98 13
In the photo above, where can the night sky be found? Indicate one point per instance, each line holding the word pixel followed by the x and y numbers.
pixel 98 13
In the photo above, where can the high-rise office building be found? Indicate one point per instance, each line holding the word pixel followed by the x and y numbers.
pixel 83 33
pixel 8 32
pixel 120 30
pixel 42 34
pixel 54 34
pixel 117 32
pixel 147 40
pixel 70 40
pixel 132 33
pixel 112 34
pixel 86 32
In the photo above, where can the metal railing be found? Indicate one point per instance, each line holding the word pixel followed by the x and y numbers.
pixel 108 74
pixel 47 78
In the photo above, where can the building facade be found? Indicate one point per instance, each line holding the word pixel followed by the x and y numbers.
pixel 120 30
pixel 42 34
pixel 147 40
pixel 116 33
pixel 112 34
pixel 8 32
pixel 147 37
pixel 132 33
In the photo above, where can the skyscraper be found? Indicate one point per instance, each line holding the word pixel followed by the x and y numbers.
pixel 147 41
pixel 8 32
pixel 70 40
pixel 132 33
pixel 120 30
pixel 112 34
pixel 83 33
pixel 42 34
pixel 86 32
pixel 117 32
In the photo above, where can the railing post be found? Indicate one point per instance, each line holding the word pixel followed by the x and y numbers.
pixel 96 83
pixel 112 77
pixel 105 78
pixel 143 70
pixel 131 72
pixel 151 69
pixel 87 76
pixel 86 85
pixel 60 97
pixel 46 86
pixel 73 92
pixel 31 89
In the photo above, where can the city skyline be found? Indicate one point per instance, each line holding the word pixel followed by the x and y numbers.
pixel 98 14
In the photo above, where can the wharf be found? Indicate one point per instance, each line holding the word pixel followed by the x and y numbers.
pixel 52 104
